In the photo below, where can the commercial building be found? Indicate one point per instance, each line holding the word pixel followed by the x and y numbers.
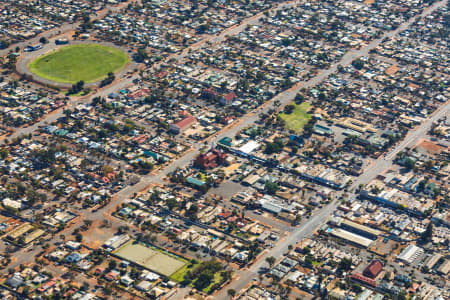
pixel 351 237
pixel 182 125
pixel 410 254
pixel 444 269
pixel 360 229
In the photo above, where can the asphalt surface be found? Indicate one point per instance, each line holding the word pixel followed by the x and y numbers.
pixel 305 229
pixel 57 31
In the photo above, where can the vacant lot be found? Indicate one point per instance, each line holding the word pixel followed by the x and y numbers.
pixel 298 118
pixel 153 259
pixel 87 62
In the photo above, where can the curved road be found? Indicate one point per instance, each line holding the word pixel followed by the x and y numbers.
pixel 58 31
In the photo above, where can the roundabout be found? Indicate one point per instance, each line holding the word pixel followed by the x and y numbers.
pixel 66 65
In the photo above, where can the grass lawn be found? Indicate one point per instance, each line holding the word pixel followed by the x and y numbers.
pixel 87 62
pixel 178 276
pixel 298 118
pixel 217 279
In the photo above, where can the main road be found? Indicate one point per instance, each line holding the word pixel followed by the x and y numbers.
pixel 307 228
pixel 128 81
pixel 244 277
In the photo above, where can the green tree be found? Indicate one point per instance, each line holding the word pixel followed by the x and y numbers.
pixel 112 264
pixel 231 293
pixel 271 261
pixel 271 187
pixel 358 64
pixel 409 163
pixel 4 153
pixel 78 237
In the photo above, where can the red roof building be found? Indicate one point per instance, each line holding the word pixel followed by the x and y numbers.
pixel 183 124
pixel 227 99
pixel 139 93
pixel 373 269
pixel 364 279
pixel 209 94
pixel 210 159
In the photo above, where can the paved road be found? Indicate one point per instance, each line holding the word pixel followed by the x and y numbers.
pixel 308 227
pixel 125 82
pixel 381 164
pixel 66 27
pixel 246 276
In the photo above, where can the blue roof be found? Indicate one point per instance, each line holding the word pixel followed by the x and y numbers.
pixel 195 181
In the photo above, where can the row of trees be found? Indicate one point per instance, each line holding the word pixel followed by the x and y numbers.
pixel 108 80
pixel 76 88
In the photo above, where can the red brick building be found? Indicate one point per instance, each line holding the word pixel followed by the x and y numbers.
pixel 210 159
pixel 373 269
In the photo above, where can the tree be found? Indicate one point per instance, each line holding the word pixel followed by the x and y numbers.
pixel 271 187
pixel 231 293
pixel 409 163
pixel 76 88
pixel 4 153
pixel 427 234
pixel 109 79
pixel 79 237
pixel 87 223
pixel 428 165
pixel 272 148
pixel 141 55
pixel 358 64
pixel 288 109
pixel 299 98
pixel 203 280
pixel 112 264
pixel 345 264
pixel 309 260
pixel 191 213
pixel 172 203
pixel 271 261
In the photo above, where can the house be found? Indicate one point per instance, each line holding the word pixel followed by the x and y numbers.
pixel 15 281
pixel 74 257
pixel 227 99
pixel 144 286
pixel 182 125
pixel 71 245
pixel 359 277
pixel 99 271
pixel 112 275
pixel 47 285
pixel 126 280
pixel 209 94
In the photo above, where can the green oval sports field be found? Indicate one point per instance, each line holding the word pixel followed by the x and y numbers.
pixel 87 62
